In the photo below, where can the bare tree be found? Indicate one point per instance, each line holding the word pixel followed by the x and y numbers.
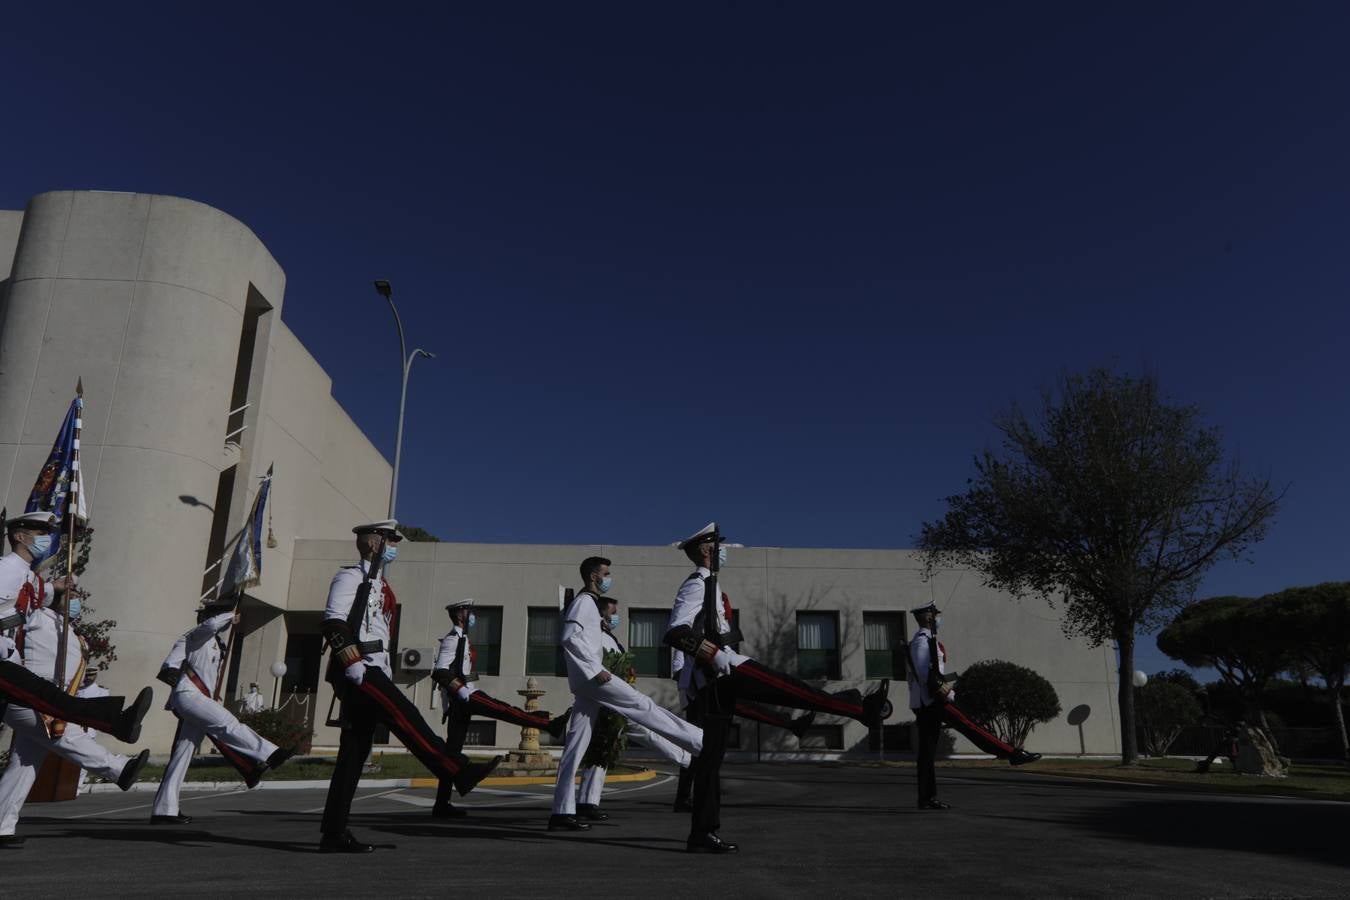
pixel 1113 503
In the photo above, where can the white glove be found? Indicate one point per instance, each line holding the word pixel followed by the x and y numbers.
pixel 722 661
pixel 465 692
pixel 356 672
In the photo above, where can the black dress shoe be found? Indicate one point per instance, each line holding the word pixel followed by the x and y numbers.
pixel 591 813
pixel 934 804
pixel 11 842
pixel 470 775
pixel 557 728
pixel 171 820
pixel 1022 757
pixel 876 708
pixel 343 842
pixel 132 769
pixel 682 806
pixel 448 811
pixel 129 726
pixel 799 725
pixel 566 823
pixel 279 756
pixel 709 842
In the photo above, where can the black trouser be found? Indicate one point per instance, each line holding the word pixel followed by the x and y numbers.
pixel 929 720
pixel 376 700
pixel 457 718
pixel 714 707
pixel 757 713
pixel 24 688
pixel 685 786
pixel 764 685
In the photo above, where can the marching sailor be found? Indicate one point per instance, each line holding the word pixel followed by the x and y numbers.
pixel 356 625
pixel 931 697
pixel 715 677
pixel 593 686
pixel 22 591
pixel 34 736
pixel 200 715
pixel 461 699
pixel 593 777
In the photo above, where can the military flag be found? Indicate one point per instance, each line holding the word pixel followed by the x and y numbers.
pixel 245 568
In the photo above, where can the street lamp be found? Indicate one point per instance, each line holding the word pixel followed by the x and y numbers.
pixel 386 291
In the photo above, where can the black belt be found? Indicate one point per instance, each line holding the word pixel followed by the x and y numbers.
pixel 368 647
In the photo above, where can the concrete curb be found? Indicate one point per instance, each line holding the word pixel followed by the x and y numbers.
pixel 142 787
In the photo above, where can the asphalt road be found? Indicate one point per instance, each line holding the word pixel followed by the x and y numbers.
pixel 805 830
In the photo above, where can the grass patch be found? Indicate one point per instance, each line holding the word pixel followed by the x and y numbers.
pixel 1327 782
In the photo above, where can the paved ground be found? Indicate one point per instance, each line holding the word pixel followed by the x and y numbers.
pixel 805 830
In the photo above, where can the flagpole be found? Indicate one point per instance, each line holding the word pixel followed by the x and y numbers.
pixel 71 512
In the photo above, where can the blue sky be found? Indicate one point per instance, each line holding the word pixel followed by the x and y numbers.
pixel 773 263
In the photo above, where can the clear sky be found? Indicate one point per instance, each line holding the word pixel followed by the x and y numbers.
pixel 773 263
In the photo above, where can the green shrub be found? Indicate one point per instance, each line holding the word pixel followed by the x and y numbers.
pixel 1164 709
pixel 279 728
pixel 1006 698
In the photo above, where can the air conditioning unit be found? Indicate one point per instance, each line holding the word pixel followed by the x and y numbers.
pixel 416 658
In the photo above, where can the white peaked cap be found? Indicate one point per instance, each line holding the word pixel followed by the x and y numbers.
pixel 36 520
pixel 387 527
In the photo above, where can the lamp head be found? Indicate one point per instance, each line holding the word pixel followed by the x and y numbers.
pixel 383 288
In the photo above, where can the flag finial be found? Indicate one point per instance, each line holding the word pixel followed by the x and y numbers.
pixel 79 386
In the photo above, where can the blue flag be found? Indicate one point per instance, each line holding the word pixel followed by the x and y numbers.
pixel 60 477
pixel 245 568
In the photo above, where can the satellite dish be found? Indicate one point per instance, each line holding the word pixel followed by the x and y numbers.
pixel 1078 715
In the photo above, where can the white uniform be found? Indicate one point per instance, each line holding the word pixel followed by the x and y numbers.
pixel 593 779
pixel 89 691
pixel 31 742
pixel 15 572
pixel 919 695
pixel 253 701
pixel 199 716
pixel 379 610
pixel 583 655
pixel 445 659
pixel 688 610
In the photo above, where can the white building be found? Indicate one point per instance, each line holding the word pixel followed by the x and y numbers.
pixel 169 311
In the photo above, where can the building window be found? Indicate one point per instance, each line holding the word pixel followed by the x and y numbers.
pixel 884 644
pixel 646 629
pixel 485 639
pixel 481 733
pixel 822 737
pixel 818 645
pixel 543 653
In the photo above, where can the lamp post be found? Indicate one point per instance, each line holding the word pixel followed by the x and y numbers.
pixel 384 289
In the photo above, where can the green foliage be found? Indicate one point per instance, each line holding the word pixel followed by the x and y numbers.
pixel 608 740
pixel 1239 637
pixel 1180 677
pixel 413 533
pixel 278 727
pixel 96 633
pixel 1112 504
pixel 1165 708
pixel 1006 698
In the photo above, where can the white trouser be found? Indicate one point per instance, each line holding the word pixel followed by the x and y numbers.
pixel 593 779
pixel 633 705
pixel 200 716
pixel 31 746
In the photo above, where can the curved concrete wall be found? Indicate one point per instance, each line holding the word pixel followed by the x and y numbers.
pixel 143 297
